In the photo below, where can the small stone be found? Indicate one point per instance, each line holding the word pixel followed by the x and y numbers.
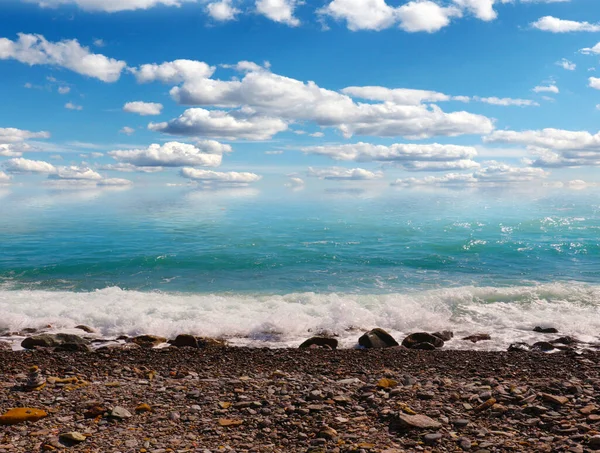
pixel 542 346
pixel 21 415
pixel 478 337
pixel 143 408
pixel 320 342
pixel 226 422
pixel 120 413
pixel 148 341
pixel 185 341
pixel 386 383
pixel 545 329
pixel 418 421
pixel 594 443
pixel 554 399
pixel 464 443
pixel 327 433
pixel 460 422
pixel 432 439
pixel 488 404
pixel 86 329
pixel 35 380
pixel 72 437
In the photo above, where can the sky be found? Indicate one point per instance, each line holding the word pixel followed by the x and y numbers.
pixel 281 94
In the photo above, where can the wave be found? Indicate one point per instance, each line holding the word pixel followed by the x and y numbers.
pixel 508 314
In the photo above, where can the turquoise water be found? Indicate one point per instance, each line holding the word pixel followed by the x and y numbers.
pixel 436 253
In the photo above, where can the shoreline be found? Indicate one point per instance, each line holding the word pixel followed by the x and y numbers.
pixel 304 400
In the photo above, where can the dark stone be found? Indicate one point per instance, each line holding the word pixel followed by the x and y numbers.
pixel 477 337
pixel 85 328
pixel 148 341
pixel 52 341
pixel 377 338
pixel 432 439
pixel 565 340
pixel 205 342
pixel 424 346
pixel 28 330
pixel 545 329
pixel 518 347
pixel 73 347
pixel 422 337
pixel 322 342
pixel 543 346
pixel 445 335
pixel 185 341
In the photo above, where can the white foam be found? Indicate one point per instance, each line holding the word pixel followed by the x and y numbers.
pixel 508 314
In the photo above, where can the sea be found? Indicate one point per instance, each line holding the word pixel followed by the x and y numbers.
pixel 272 268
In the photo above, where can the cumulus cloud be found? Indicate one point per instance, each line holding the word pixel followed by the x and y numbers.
pixel 4 178
pixel 222 11
pixel 281 11
pixel 220 124
pixel 554 147
pixel 109 6
pixel 13 135
pixel 464 164
pixel 20 165
pixel 64 90
pixel 130 168
pixel 482 9
pixel 36 50
pixel 176 71
pixel 114 182
pixel 506 101
pixel 143 108
pixel 127 130
pixel 591 50
pixel 171 154
pixel 13 149
pixel 294 181
pixel 556 25
pixel 343 174
pixel 426 16
pixel 209 176
pixel 594 83
pixel 566 64
pixel 75 173
pixel 71 106
pixel 551 88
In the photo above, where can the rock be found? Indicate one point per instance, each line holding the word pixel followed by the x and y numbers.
pixel 95 410
pixel 322 342
pixel 565 340
pixel 594 443
pixel 460 422
pixel 555 399
pixel 52 341
pixel 205 342
pixel 120 413
pixel 21 415
pixel 545 329
pixel 184 340
pixel 518 347
pixel 72 437
pixel 422 337
pixel 377 338
pixel 229 422
pixel 148 341
pixel 35 380
pixel 85 328
pixel 418 421
pixel 464 443
pixel 432 438
pixel 478 337
pixel 386 383
pixel 486 405
pixel 445 335
pixel 424 346
pixel 143 408
pixel 327 433
pixel 542 346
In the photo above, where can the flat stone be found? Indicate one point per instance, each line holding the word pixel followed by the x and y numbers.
pixel 226 422
pixel 418 421
pixel 120 413
pixel 432 439
pixel 545 329
pixel 386 383
pixel 72 436
pixel 21 415
pixel 478 337
pixel 460 422
pixel 555 399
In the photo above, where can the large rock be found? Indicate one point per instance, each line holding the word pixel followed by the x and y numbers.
pixel 320 342
pixel 414 339
pixel 377 338
pixel 148 341
pixel 185 341
pixel 63 340
pixel 22 415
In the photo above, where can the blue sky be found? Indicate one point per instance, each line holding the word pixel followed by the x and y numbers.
pixel 278 93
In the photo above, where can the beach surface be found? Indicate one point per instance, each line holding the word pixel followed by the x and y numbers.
pixel 291 400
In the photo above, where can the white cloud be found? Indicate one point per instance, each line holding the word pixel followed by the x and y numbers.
pixel 210 176
pixel 554 148
pixel 76 173
pixel 213 147
pixel 143 108
pixel 20 165
pixel 566 64
pixel 317 134
pixel 343 174
pixel 114 182
pixel 400 152
pixel 171 154
pixel 109 6
pixel 71 106
pixel 546 89
pixel 295 182
pixel 591 50
pixel 220 124
pixel 464 164
pixel 4 178
pixel 506 101
pixel 401 96
pixel 13 135
pixel 99 42
pixel 450 179
pixel 222 11
pixel 177 71
pixel 127 130
pixel 482 9
pixel 129 168
pixel 273 153
pixel 594 83
pixel 69 54
pixel 13 149
pixel 426 16
pixel 64 90
pixel 361 14
pixel 281 11
pixel 556 25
